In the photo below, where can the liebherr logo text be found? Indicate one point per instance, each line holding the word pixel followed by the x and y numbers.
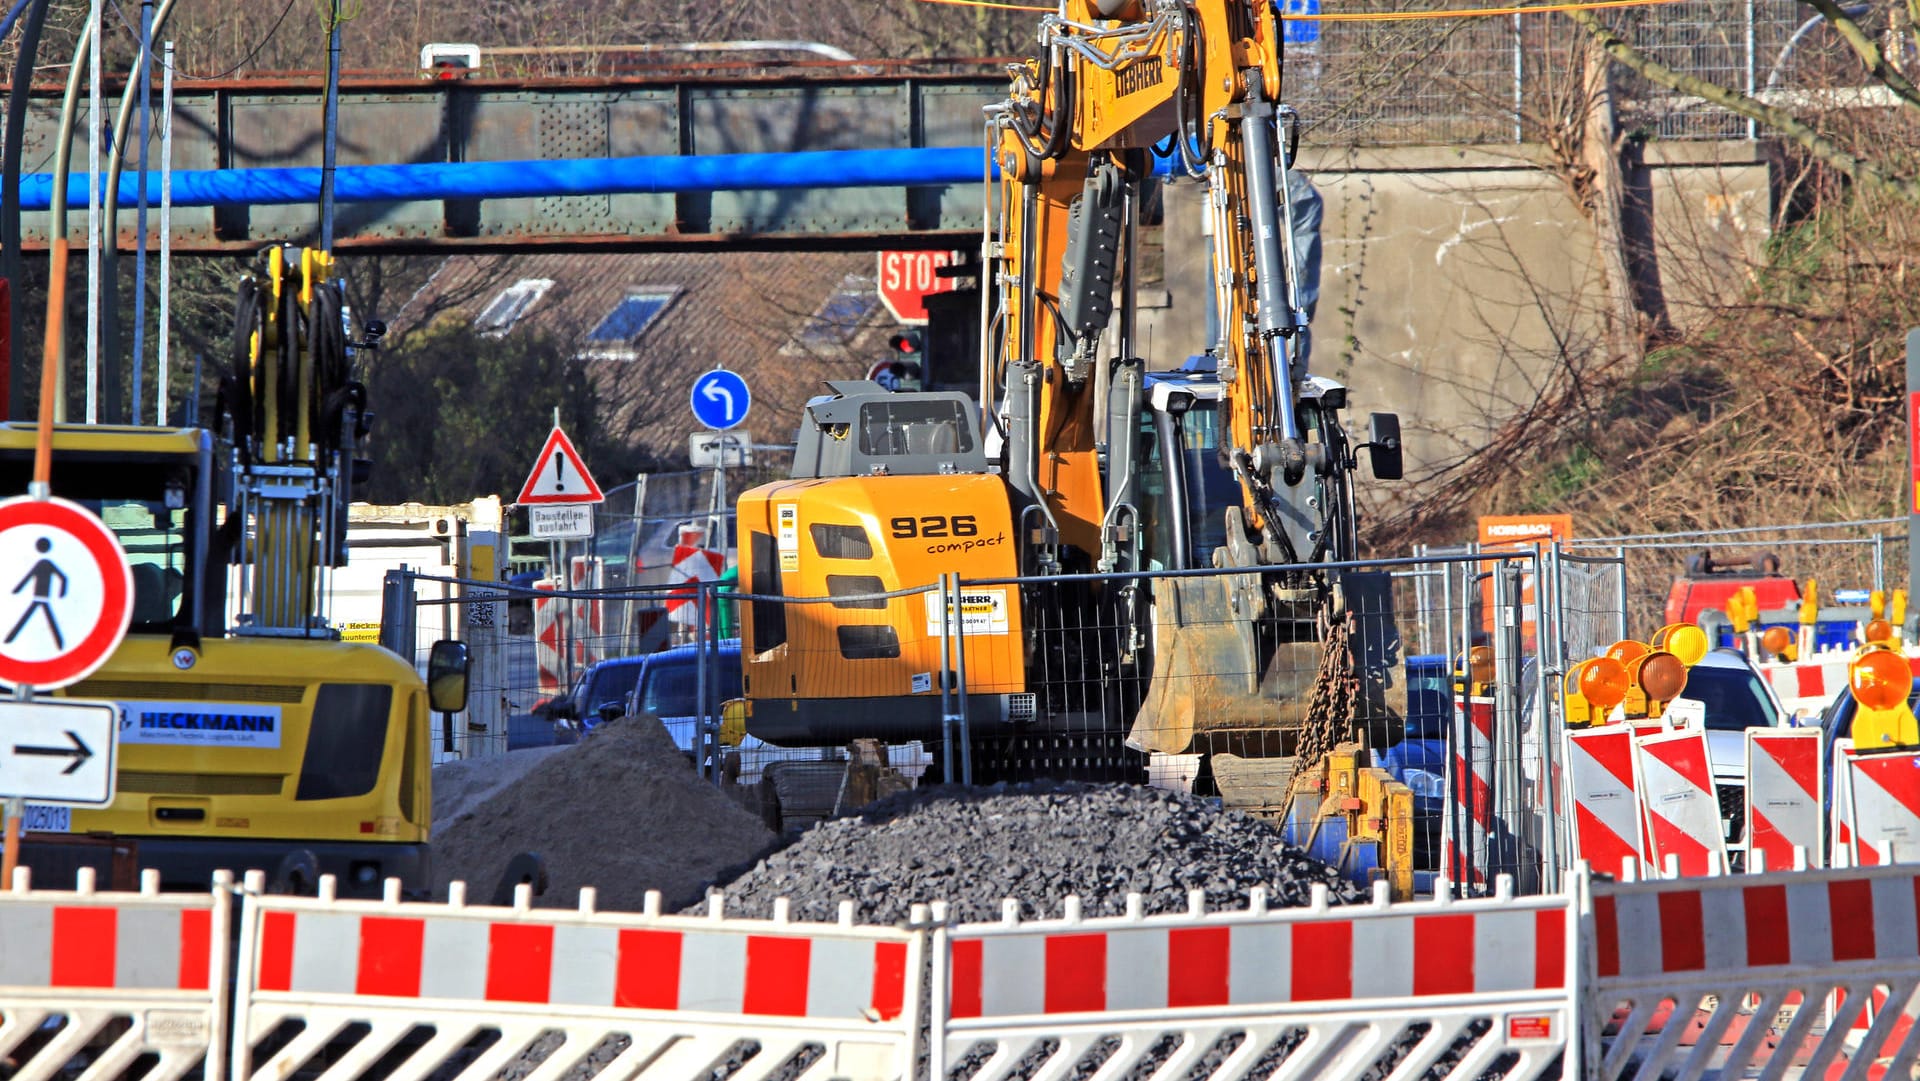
pixel 966 545
pixel 1140 75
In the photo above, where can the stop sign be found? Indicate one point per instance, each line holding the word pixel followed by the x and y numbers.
pixel 906 278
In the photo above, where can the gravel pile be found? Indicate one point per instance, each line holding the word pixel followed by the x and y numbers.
pixel 621 811
pixel 1037 843
pixel 464 785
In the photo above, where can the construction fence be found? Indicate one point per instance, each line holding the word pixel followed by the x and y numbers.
pixel 1812 972
pixel 1482 80
pixel 1122 678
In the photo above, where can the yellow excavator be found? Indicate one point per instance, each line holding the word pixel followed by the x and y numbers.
pixel 251 737
pixel 1082 470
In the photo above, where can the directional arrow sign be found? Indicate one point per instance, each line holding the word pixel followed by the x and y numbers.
pixel 58 750
pixel 721 399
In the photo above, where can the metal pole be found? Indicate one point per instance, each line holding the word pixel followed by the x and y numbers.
pixel 166 235
pixel 1519 72
pixel 1620 614
pixel 1753 126
pixel 951 754
pixel 94 117
pixel 1506 716
pixel 703 744
pixel 330 125
pixel 1913 486
pixel 1546 723
pixel 960 667
pixel 145 75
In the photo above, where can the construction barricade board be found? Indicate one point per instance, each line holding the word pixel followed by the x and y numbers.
pixel 1680 808
pixel 1441 989
pixel 1605 818
pixel 1884 793
pixel 1467 830
pixel 1806 686
pixel 1752 973
pixel 1785 794
pixel 329 988
pixel 95 982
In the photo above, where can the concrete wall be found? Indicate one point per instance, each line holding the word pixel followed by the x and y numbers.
pixel 1456 281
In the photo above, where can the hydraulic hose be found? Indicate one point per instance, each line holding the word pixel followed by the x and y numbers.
pixel 29 52
pixel 110 227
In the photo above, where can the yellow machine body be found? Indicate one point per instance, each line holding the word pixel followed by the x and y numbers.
pixel 825 672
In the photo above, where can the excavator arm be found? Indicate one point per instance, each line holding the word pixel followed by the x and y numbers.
pixel 1113 80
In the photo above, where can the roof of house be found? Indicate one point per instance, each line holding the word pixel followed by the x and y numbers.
pixel 647 324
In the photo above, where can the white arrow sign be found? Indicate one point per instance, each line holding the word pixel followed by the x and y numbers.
pixel 58 751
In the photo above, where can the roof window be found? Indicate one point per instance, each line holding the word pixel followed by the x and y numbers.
pixel 499 317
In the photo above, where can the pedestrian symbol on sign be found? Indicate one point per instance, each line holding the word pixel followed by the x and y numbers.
pixel 41 577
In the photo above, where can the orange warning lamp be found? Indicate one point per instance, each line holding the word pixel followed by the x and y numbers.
pixel 1575 709
pixel 1687 642
pixel 1658 677
pixel 1880 680
pixel 1878 632
pixel 1737 613
pixel 1593 688
pixel 1779 642
pixel 1480 665
pixel 1626 650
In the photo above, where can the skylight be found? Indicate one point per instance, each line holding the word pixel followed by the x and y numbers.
pixel 629 318
pixel 512 303
pixel 838 319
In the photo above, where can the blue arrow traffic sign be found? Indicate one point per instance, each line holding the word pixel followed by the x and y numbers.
pixel 721 399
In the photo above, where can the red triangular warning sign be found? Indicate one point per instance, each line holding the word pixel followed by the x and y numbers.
pixel 559 476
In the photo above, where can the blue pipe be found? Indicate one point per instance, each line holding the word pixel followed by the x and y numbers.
pixel 13 16
pixel 577 176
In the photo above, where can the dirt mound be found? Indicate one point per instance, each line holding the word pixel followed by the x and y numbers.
pixel 1038 843
pixel 621 811
pixel 464 784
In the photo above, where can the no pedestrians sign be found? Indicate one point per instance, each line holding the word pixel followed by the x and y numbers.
pixel 67 596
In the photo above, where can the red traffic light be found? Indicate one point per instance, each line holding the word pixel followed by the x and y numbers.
pixel 906 341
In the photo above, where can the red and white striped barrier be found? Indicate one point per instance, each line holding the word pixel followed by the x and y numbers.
pixel 1885 797
pixel 1693 972
pixel 1678 802
pixel 156 964
pixel 1353 977
pixel 682 990
pixel 1785 790
pixel 586 576
pixel 550 617
pixel 691 563
pixel 1607 829
pixel 1808 685
pixel 1467 830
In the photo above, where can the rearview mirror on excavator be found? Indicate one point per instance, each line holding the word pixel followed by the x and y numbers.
pixel 1383 439
pixel 447 668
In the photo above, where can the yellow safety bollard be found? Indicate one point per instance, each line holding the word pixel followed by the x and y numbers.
pixel 1809 615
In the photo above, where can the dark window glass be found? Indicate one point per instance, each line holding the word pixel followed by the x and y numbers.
pixel 852 585
pixel 868 643
pixel 344 741
pixel 769 617
pixel 841 541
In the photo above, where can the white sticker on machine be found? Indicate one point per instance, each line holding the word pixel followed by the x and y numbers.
pixel 787 533
pixel 201 724
pixel 982 611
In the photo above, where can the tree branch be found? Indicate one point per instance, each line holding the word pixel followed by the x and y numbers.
pixel 1864 173
pixel 1869 53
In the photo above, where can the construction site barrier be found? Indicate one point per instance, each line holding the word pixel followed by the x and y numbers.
pixel 1607 831
pixel 1679 804
pixel 1751 973
pixel 1785 793
pixel 97 981
pixel 1467 831
pixel 461 992
pixel 1442 989
pixel 1885 793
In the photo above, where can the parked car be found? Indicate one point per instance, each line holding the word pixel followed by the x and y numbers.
pixel 605 683
pixel 1734 697
pixel 669 688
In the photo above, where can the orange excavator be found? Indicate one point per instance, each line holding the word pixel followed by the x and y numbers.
pixel 1084 470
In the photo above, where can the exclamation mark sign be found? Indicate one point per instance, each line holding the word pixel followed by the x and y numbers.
pixel 559 472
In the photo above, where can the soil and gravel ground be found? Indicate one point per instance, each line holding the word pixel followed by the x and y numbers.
pixel 1037 843
pixel 621 811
